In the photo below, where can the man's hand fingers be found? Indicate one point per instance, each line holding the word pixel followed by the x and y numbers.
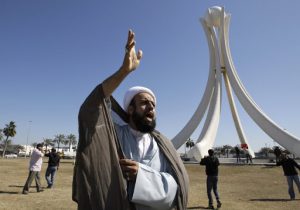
pixel 128 165
pixel 129 168
pixel 130 36
pixel 139 54
pixel 132 59
pixel 127 162
pixel 130 46
pixel 130 40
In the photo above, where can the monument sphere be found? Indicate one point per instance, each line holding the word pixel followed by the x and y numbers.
pixel 213 16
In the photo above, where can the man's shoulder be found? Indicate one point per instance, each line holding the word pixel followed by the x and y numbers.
pixel 162 139
pixel 158 134
pixel 215 157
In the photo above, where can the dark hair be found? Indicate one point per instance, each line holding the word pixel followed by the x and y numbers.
pixel 132 103
pixel 39 145
pixel 53 150
pixel 211 152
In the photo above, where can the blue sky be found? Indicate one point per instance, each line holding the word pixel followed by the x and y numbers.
pixel 54 52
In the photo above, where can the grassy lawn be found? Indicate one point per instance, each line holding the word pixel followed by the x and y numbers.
pixel 241 187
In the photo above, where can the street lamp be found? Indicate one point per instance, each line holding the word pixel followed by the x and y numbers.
pixel 28 133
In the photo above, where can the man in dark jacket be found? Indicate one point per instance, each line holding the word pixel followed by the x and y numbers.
pixel 289 166
pixel 53 164
pixel 277 152
pixel 237 152
pixel 212 163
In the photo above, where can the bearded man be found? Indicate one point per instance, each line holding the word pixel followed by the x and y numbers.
pixel 122 162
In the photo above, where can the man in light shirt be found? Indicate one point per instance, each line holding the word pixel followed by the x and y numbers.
pixel 35 166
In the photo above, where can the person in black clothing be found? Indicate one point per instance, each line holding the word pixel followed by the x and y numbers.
pixel 289 166
pixel 237 152
pixel 277 152
pixel 53 164
pixel 212 163
pixel 248 155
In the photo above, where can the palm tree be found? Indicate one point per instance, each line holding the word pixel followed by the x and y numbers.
pixel 60 138
pixel 48 142
pixel 189 144
pixel 1 135
pixel 8 145
pixel 9 131
pixel 71 140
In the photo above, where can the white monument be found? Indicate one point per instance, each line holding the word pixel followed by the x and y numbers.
pixel 216 27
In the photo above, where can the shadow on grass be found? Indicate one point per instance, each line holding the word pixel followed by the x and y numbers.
pixel 271 199
pixel 21 186
pixel 17 186
pixel 269 166
pixel 197 207
pixel 7 192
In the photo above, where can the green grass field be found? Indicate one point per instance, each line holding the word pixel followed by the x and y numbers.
pixel 241 187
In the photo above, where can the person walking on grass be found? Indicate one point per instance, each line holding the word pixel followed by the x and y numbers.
pixel 211 163
pixel 289 166
pixel 35 166
pixel 53 164
pixel 237 152
pixel 248 156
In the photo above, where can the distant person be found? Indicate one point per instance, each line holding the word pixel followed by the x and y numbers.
pixel 212 164
pixel 289 166
pixel 277 153
pixel 35 166
pixel 53 164
pixel 248 156
pixel 237 153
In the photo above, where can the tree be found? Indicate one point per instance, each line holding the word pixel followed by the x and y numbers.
pixel 9 131
pixel 189 144
pixel 71 140
pixel 1 135
pixel 48 142
pixel 265 150
pixel 34 144
pixel 218 151
pixel 60 138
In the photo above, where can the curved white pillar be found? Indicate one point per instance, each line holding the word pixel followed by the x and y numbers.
pixel 192 124
pixel 278 134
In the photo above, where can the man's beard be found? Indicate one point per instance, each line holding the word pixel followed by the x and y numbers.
pixel 142 124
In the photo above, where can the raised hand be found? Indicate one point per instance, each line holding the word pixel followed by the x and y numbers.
pixel 131 59
pixel 130 63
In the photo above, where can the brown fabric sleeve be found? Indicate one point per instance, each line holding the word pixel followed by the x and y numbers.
pixel 98 182
pixel 179 170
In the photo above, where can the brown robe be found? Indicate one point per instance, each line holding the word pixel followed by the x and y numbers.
pixel 98 182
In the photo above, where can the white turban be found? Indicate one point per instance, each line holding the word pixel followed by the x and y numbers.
pixel 131 92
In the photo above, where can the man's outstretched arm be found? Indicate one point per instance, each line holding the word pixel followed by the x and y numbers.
pixel 130 63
